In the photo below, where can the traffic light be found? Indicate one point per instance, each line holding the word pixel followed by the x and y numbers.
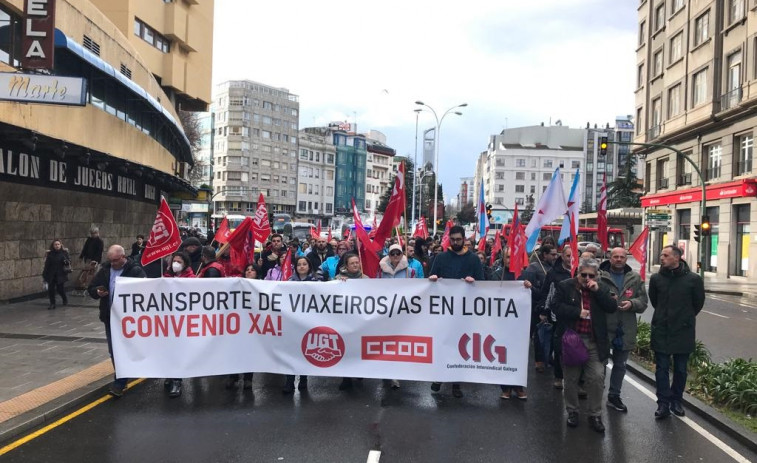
pixel 706 227
pixel 697 232
pixel 603 146
pixel 489 212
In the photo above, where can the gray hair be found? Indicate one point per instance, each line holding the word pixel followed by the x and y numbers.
pixel 589 263
pixel 94 230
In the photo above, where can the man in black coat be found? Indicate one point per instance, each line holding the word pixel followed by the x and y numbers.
pixel 93 248
pixel 103 287
pixel 319 253
pixel 677 295
pixel 581 304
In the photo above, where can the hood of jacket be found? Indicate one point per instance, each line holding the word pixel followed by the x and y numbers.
pixel 386 266
pixel 682 269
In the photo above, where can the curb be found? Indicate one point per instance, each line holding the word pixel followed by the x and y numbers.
pixel 710 414
pixel 47 413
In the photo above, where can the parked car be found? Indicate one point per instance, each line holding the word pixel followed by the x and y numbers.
pixel 582 245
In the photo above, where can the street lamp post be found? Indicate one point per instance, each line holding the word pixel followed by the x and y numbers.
pixel 423 175
pixel 415 164
pixel 436 150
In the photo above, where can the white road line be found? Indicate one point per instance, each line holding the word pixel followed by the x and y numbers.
pixel 730 301
pixel 716 314
pixel 706 434
pixel 373 456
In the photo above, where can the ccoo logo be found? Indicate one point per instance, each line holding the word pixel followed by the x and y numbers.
pixel 323 347
pixel 491 352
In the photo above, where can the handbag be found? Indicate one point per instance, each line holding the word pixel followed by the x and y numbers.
pixel 67 268
pixel 574 351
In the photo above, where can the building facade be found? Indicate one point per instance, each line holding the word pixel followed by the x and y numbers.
pixel 99 151
pixel 316 174
pixel 351 155
pixel 519 162
pixel 378 170
pixel 466 194
pixel 255 148
pixel 696 81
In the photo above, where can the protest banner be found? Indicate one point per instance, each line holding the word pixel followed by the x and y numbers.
pixel 447 330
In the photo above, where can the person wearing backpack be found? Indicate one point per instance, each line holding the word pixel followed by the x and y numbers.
pixel 581 305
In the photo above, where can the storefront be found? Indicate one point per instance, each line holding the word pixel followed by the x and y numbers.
pixel 731 208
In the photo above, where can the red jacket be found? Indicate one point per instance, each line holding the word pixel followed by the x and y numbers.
pixel 186 273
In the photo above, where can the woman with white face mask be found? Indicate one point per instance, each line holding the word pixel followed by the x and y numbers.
pixel 180 268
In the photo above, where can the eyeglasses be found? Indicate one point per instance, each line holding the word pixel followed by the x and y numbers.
pixel 456 240
pixel 589 275
pixel 395 253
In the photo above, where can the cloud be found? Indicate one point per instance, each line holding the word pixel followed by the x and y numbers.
pixel 515 63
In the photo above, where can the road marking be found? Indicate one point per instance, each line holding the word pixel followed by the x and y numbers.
pixel 730 301
pixel 716 314
pixel 373 456
pixel 65 419
pixel 706 434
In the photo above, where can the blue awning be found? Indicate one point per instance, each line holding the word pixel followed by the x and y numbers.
pixel 63 41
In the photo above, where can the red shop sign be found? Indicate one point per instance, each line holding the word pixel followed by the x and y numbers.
pixel 738 189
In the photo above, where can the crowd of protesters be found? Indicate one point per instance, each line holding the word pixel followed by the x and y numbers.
pixel 600 303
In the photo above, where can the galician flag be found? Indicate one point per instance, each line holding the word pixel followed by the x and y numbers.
pixel 483 220
pixel 574 204
pixel 551 207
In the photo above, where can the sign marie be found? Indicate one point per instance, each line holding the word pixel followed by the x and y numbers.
pixel 40 88
pixel 38 43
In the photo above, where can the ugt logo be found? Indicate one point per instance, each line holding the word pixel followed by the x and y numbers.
pixel 491 352
pixel 323 346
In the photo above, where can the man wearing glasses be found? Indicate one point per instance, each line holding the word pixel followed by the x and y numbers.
pixel 456 262
pixel 677 295
pixel 582 304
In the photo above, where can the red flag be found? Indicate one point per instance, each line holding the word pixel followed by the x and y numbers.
pixel 395 208
pixel 602 216
pixel 164 236
pixel 481 244
pixel 368 249
pixel 286 267
pixel 574 256
pixel 400 241
pixel 639 251
pixel 328 238
pixel 421 230
pixel 517 245
pixel 316 232
pixel 261 228
pixel 496 248
pixel 241 246
pixel 346 233
pixel 445 237
pixel 223 232
pixel 374 228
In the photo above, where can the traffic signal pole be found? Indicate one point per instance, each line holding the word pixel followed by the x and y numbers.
pixel 701 180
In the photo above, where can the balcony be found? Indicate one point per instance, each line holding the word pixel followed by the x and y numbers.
pixel 653 133
pixel 662 183
pixel 744 167
pixel 730 99
pixel 684 179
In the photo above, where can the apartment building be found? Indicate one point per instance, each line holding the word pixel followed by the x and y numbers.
pixel 255 148
pixel 378 170
pixel 466 193
pixel 316 176
pixel 696 91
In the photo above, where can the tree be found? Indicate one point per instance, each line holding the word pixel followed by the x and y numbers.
pixel 190 121
pixel 467 213
pixel 409 185
pixel 624 190
pixel 528 212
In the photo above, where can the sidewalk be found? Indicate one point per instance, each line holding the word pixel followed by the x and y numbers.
pixel 50 359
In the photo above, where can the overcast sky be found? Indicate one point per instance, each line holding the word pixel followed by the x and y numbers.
pixel 515 62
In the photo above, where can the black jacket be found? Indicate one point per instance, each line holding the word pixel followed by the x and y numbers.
pixel 555 275
pixel 567 307
pixel 53 272
pixel 92 250
pixel 102 278
pixel 315 258
pixel 677 297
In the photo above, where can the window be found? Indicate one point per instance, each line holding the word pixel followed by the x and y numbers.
pixel 640 76
pixel 734 72
pixel 674 101
pixel 676 47
pixel 659 17
pixel 657 70
pixel 702 29
pixel 745 145
pixel 700 88
pixel 642 32
pixel 533 188
pixel 735 10
pixel 677 5
pixel 548 163
pixel 149 35
pixel 714 161
pixel 520 189
pixel 519 201
pixel 520 176
pixel 575 164
pixel 520 163
pixel 546 176
pixel 639 125
pixel 533 175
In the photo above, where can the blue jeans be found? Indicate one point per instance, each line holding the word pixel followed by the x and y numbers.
pixel 619 359
pixel 665 392
pixel 120 381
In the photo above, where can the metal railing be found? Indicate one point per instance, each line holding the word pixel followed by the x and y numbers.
pixel 744 167
pixel 684 179
pixel 730 99
pixel 653 132
pixel 662 183
pixel 712 173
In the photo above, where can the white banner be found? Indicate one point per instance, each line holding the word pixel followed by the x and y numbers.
pixel 410 329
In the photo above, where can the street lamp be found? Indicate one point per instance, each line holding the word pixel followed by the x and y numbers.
pixel 415 164
pixel 424 174
pixel 436 150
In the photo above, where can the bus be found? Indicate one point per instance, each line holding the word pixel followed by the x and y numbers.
pixel 615 236
pixel 279 223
